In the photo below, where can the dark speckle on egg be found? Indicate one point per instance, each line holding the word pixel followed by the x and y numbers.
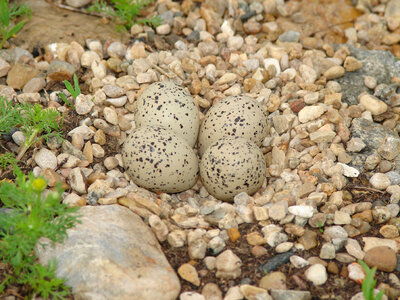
pixel 232 165
pixel 157 159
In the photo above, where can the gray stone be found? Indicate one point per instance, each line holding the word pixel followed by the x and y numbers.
pixel 290 295
pixel 4 67
pixel 34 85
pixel 60 70
pixel 46 159
pixel 274 262
pixel 120 259
pixel 289 36
pixel 78 3
pixel 394 177
pixel 372 135
pixel 381 65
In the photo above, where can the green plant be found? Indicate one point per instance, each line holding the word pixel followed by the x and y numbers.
pixel 75 91
pixel 369 283
pixel 9 117
pixel 34 121
pixel 7 14
pixel 7 159
pixel 125 12
pixel 320 227
pixel 30 214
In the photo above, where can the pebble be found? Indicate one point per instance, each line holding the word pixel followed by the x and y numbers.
pixel 46 159
pixel 298 262
pixel 290 294
pixel 373 104
pixel 74 200
pixel 191 296
pixel 4 67
pixel 117 102
pixel 189 273
pixel 275 261
pixel 372 242
pixel 110 115
pixel 289 36
pixel 20 74
pixel 228 265
pixel 235 42
pixel 356 272
pixel 19 138
pixel 381 257
pixel 83 104
pixel 163 29
pixel 303 211
pixel 354 249
pixel 334 72
pixel 253 292
pixel 316 274
pixel 34 85
pixel 273 280
pixel 310 113
pixel 327 251
pixel 211 291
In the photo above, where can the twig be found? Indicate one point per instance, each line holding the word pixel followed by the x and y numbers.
pixel 367 188
pixel 161 70
pixel 79 10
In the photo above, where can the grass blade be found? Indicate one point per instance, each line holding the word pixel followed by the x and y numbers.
pixel 76 84
pixel 70 88
pixel 16 29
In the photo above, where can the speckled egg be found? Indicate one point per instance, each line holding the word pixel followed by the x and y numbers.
pixel 239 116
pixel 169 105
pixel 232 165
pixel 159 160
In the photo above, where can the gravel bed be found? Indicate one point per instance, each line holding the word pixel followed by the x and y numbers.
pixel 332 152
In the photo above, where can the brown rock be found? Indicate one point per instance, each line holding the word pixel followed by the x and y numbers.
pixel 309 239
pixel 189 273
pixel 258 251
pixel 60 70
pixel 20 74
pixel 233 234
pixel 352 64
pixel 52 177
pixel 333 268
pixel 366 215
pixel 297 105
pixel 381 257
pixel 344 272
pixel 255 238
pixel 273 280
pixel 252 27
pixel 212 19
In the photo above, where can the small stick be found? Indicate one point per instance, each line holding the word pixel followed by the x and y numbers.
pixel 78 10
pixel 367 188
pixel 161 70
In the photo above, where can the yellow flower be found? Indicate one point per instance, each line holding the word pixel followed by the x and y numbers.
pixel 39 185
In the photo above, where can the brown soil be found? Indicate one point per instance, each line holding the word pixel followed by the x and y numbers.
pixel 50 25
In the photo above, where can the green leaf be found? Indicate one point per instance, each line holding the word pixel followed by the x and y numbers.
pixel 15 29
pixel 379 295
pixel 4 13
pixel 69 88
pixel 32 215
pixel 76 84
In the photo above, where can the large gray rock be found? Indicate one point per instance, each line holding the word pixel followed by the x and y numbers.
pixel 381 65
pixel 373 135
pixel 112 254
